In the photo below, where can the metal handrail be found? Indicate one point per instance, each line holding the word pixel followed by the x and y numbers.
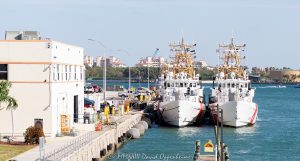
pixel 70 147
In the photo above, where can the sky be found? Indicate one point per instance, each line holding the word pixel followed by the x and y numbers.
pixel 270 28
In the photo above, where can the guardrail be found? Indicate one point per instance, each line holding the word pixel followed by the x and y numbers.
pixel 67 149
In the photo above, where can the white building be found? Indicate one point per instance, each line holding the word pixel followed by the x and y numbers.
pixel 111 61
pixel 88 60
pixel 200 64
pixel 47 81
pixel 151 61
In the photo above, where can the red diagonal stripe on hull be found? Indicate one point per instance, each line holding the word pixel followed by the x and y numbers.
pixel 254 115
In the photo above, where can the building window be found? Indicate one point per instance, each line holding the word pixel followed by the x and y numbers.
pixel 70 72
pixel 53 72
pixel 75 73
pixel 3 72
pixel 57 67
pixel 81 73
pixel 66 72
pixel 62 72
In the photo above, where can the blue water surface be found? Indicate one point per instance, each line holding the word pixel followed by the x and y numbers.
pixel 274 137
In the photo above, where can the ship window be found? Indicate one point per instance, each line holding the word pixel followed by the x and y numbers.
pixel 181 84
pixel 168 84
pixel 191 85
pixel 172 84
pixel 185 84
pixel 194 84
pixel 228 85
pixel 233 85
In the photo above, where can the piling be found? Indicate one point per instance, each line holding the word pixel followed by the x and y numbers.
pixel 197 151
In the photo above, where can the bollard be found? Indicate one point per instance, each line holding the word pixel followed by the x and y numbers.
pixel 109 147
pixel 197 151
pixel 119 139
pixel 102 153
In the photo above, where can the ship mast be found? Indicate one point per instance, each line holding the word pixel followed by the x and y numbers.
pixel 231 58
pixel 183 60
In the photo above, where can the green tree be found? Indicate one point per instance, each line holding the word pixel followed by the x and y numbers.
pixel 294 77
pixel 7 102
pixel 286 77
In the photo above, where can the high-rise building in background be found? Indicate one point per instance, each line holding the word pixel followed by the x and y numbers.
pixel 88 60
pixel 151 61
pixel 111 61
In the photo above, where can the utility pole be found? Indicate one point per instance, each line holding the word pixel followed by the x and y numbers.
pixel 155 53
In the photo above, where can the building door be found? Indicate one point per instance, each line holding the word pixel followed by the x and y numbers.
pixel 76 108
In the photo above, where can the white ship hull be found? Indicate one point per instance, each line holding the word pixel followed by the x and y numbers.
pixel 236 113
pixel 181 113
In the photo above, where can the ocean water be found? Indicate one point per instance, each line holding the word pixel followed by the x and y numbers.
pixel 274 137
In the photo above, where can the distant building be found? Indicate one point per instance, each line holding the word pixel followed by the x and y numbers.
pixel 285 75
pixel 47 79
pixel 151 61
pixel 254 78
pixel 200 64
pixel 111 61
pixel 22 35
pixel 88 60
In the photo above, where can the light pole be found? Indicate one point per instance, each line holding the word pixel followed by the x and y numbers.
pixel 104 72
pixel 129 74
pixel 156 51
pixel 148 73
pixel 139 77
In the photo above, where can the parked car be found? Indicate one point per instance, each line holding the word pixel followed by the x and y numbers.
pixel 97 89
pixel 88 88
pixel 123 94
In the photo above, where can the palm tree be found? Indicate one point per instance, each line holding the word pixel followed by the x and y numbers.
pixel 7 102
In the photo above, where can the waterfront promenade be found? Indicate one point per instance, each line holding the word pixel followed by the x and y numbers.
pixel 87 144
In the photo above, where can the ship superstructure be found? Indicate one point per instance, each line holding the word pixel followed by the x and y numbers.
pixel 182 93
pixel 233 94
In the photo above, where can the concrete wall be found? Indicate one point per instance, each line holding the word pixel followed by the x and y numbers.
pixel 33 100
pixel 107 136
pixel 19 51
pixel 45 76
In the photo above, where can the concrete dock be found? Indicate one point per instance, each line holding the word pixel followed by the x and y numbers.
pixel 89 145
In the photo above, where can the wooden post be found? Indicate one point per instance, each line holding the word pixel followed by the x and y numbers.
pixel 218 145
pixel 197 151
pixel 222 146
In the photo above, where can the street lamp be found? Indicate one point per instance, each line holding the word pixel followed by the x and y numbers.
pixel 129 74
pixel 139 78
pixel 104 72
pixel 156 51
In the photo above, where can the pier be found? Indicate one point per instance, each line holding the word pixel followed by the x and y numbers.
pixel 89 145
